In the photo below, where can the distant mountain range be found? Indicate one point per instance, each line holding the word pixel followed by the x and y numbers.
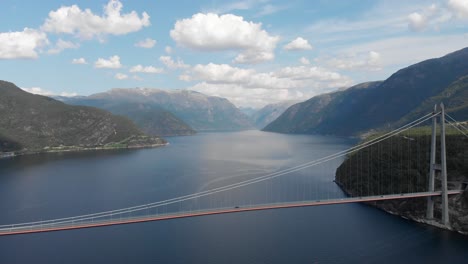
pixel 377 105
pixel 150 118
pixel 163 112
pixel 248 111
pixel 35 123
pixel 269 113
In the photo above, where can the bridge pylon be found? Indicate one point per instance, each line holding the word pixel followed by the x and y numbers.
pixel 442 168
pixel 432 170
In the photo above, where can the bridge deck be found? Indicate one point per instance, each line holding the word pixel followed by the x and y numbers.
pixel 49 227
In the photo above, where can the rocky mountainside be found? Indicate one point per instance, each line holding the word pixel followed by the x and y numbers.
pixel 269 113
pixel 199 111
pixel 34 123
pixel 455 98
pixel 354 111
pixel 322 113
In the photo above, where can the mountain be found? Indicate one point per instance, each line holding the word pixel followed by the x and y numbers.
pixel 150 118
pixel 313 115
pixel 407 176
pixel 248 111
pixel 455 98
pixel 269 113
pixel 355 111
pixel 35 123
pixel 199 111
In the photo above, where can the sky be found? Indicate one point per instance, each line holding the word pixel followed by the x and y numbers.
pixel 252 52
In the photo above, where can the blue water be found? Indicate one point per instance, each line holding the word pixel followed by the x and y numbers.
pixel 48 186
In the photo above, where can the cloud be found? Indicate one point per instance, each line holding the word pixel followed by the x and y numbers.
pixel 147 43
pixel 79 61
pixel 62 45
pixel 369 61
pixel 66 94
pixel 459 8
pixel 40 91
pixel 304 61
pixel 173 65
pixel 22 44
pixel 86 25
pixel 284 78
pixel 147 69
pixel 400 52
pixel 121 76
pixel 211 32
pixel 298 44
pixel 417 22
pixel 317 74
pixel 112 63
pixel 168 49
pixel 37 90
pixel 429 16
pixel 250 97
pixel 250 87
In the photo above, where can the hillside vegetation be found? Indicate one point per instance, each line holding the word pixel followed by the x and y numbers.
pixel 34 123
pixel 401 165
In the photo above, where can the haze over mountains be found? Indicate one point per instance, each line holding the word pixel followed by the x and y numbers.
pixel 376 105
pixel 269 113
pixel 181 111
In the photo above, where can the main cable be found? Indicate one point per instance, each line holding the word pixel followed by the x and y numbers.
pixel 231 186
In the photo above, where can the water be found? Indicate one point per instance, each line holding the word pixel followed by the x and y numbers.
pixel 59 185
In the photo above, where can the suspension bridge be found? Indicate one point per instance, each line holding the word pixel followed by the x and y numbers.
pixel 404 186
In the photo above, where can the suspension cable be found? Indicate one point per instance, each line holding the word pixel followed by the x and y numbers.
pixel 232 186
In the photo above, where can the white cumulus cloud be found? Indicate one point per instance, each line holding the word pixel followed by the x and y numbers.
pixel 146 43
pixel 284 78
pixel 22 44
pixel 79 61
pixel 429 17
pixel 212 32
pixel 112 63
pixel 147 69
pixel 417 22
pixel 173 65
pixel 298 44
pixel 459 7
pixel 168 49
pixel 86 24
pixel 248 87
pixel 62 45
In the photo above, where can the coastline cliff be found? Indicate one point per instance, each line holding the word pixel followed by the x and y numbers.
pixel 401 165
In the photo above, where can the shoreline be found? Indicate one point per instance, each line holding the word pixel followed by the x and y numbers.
pixel 6 155
pixel 428 222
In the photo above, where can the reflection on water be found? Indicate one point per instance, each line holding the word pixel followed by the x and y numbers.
pixel 57 185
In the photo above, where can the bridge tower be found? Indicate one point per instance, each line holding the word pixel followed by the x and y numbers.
pixel 442 168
